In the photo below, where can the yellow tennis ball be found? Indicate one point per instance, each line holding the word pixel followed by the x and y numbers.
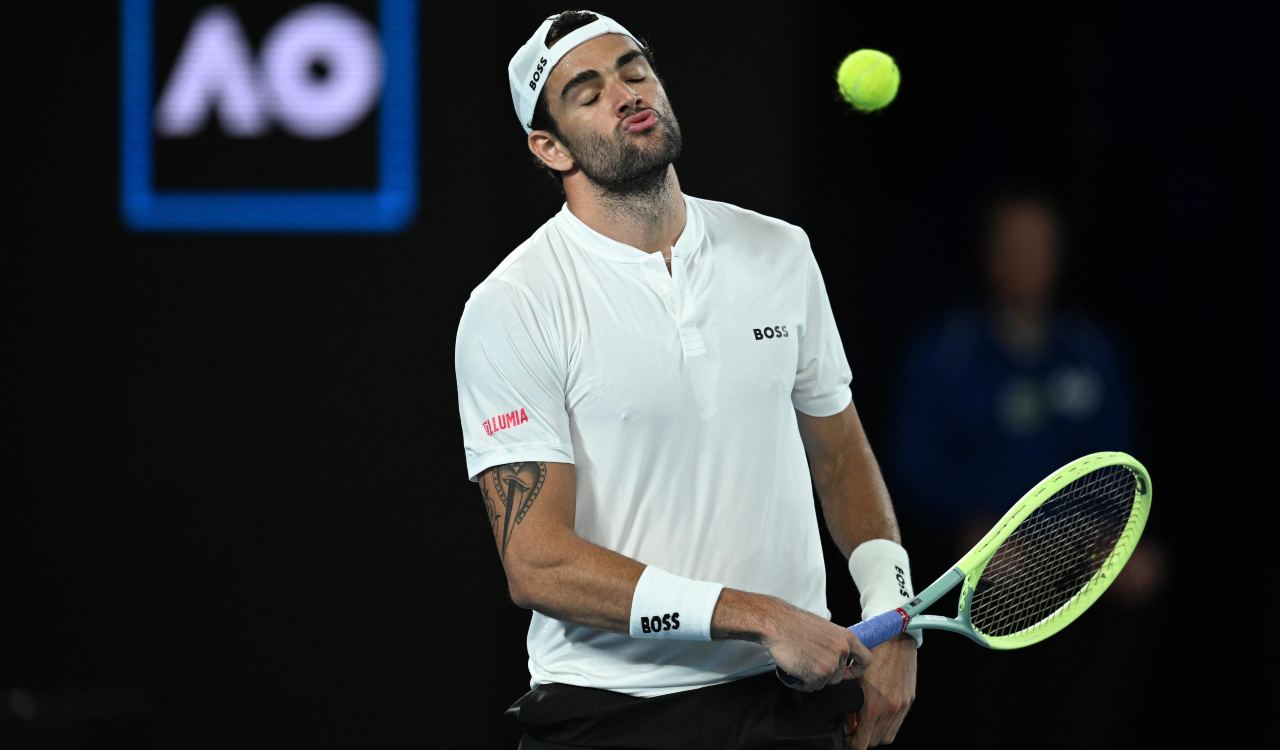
pixel 868 79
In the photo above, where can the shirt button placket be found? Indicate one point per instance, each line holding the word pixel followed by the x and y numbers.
pixel 661 282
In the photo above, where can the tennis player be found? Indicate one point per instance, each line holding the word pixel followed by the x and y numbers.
pixel 639 383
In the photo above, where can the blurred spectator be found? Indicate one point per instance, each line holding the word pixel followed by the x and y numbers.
pixel 995 397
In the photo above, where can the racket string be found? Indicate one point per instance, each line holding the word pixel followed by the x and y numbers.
pixel 1042 567
pixel 1040 587
pixel 1046 584
pixel 1054 554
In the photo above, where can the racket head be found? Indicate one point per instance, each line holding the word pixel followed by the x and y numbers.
pixel 1055 551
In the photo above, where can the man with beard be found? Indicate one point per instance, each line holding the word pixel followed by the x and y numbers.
pixel 638 385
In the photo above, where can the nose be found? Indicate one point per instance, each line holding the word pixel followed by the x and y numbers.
pixel 628 102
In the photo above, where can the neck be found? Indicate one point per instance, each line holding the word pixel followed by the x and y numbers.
pixel 649 217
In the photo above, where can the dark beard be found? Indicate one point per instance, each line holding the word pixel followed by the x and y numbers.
pixel 621 169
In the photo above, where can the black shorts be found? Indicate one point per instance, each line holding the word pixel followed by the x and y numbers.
pixel 754 713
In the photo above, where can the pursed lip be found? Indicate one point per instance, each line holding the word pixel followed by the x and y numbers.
pixel 642 120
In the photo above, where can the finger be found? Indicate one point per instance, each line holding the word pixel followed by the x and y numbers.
pixel 877 733
pixel 877 720
pixel 891 734
pixel 858 654
pixel 886 729
pixel 861 734
pixel 815 681
pixel 850 726
pixel 864 653
pixel 837 674
pixel 852 669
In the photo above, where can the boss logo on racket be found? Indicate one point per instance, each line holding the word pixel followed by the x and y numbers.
pixel 771 332
pixel 660 623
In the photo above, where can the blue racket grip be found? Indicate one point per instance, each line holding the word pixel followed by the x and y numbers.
pixel 882 628
pixel 871 633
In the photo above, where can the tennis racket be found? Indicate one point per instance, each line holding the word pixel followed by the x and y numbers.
pixel 1042 565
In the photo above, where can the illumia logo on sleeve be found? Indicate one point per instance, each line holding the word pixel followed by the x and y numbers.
pixel 501 422
pixel 235 117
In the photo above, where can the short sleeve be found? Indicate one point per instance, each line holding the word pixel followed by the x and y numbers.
pixel 510 381
pixel 822 371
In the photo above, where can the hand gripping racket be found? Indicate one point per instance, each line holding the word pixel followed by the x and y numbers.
pixel 1049 558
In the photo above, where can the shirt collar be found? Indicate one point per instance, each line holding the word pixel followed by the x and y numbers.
pixel 619 252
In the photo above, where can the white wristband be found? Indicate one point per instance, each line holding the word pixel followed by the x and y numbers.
pixel 882 573
pixel 668 606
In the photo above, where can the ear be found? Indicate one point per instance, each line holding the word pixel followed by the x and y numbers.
pixel 549 149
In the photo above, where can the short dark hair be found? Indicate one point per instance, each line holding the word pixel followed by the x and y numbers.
pixel 566 22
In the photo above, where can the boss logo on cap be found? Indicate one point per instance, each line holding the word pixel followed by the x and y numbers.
pixel 533 82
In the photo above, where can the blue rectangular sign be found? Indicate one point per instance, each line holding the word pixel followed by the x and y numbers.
pixel 388 207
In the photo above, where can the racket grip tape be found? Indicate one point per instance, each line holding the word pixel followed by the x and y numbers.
pixel 882 628
pixel 871 633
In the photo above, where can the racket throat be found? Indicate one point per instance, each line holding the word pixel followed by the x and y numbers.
pixel 947 582
pixel 937 622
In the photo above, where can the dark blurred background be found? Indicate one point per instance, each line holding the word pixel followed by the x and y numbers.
pixel 236 509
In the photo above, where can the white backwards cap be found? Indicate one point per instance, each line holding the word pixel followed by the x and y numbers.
pixel 531 66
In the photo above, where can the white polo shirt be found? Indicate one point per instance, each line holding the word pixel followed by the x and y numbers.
pixel 673 396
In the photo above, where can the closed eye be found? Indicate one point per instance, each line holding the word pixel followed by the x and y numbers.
pixel 592 100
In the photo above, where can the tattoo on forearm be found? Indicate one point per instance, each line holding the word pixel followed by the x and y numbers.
pixel 509 491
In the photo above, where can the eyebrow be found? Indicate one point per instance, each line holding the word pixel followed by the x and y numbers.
pixel 591 75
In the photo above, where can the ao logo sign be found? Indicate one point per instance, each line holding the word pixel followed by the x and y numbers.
pixel 319 72
pixel 216 69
